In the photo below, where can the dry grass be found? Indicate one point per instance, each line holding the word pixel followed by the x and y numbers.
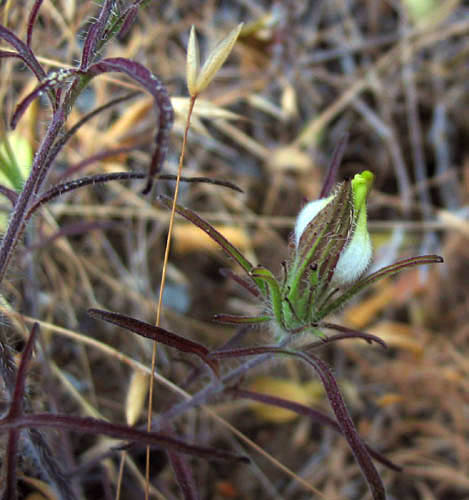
pixel 299 77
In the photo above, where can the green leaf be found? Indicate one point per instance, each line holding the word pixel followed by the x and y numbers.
pixel 229 249
pixel 376 276
pixel 264 274
pixel 16 158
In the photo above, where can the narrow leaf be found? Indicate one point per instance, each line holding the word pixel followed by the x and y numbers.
pixel 8 53
pixel 380 274
pixel 95 34
pixel 157 334
pixel 331 176
pixel 315 415
pixel 10 491
pixel 163 106
pixel 191 216
pixel 117 431
pixel 337 404
pixel 250 287
pixel 66 187
pixel 16 407
pixel 32 20
pixel 347 333
pixel 347 427
pixel 129 19
pixel 263 274
pixel 232 319
pixel 48 84
pixel 60 143
pixel 184 476
pixel 24 52
pixel 10 194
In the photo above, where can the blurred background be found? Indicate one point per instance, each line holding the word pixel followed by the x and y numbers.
pixel 393 75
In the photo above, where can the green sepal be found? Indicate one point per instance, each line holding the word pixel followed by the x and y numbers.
pixel 263 274
pixel 376 276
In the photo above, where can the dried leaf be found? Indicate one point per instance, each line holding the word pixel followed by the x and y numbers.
pixel 188 238
pixel 192 62
pixel 400 335
pixel 266 105
pixel 202 109
pixel 362 314
pixel 289 101
pixel 290 158
pixel 288 389
pixel 136 396
pixel 389 399
pixel 215 60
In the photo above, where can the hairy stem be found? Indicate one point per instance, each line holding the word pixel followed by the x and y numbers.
pixel 15 227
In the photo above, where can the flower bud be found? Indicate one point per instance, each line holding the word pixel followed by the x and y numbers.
pixel 331 233
pixel 356 255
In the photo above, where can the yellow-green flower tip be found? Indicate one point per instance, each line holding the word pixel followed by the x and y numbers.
pixel 361 186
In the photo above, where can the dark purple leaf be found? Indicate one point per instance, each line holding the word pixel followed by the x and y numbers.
pixel 49 83
pixel 129 18
pixel 337 404
pixel 157 334
pixel 66 187
pixel 228 273
pixel 184 476
pixel 315 415
pixel 117 431
pixel 16 407
pixel 347 333
pixel 9 193
pixel 150 82
pixel 95 35
pixel 24 52
pixel 372 278
pixel 331 176
pixel 10 492
pixel 7 366
pixel 32 20
pixel 229 249
pixel 60 143
pixel 72 230
pixel 7 53
pixel 232 319
pixel 243 351
pixel 40 165
pixel 346 424
pixel 15 411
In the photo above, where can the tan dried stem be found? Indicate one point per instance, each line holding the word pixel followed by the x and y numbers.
pixel 162 285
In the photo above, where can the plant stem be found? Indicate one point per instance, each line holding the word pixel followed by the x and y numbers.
pixel 162 285
pixel 15 227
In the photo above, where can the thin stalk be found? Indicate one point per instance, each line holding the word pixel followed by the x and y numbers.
pixel 162 285
pixel 15 227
